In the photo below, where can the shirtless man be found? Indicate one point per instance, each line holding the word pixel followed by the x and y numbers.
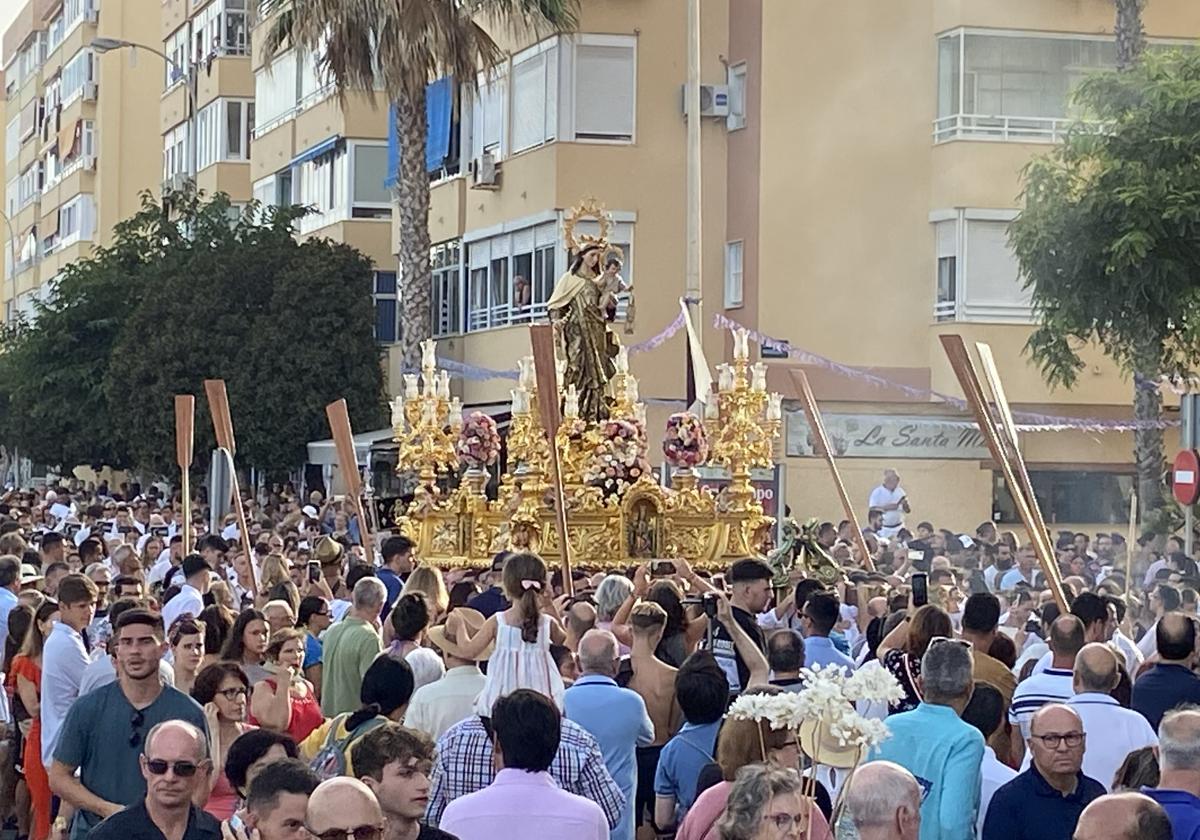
pixel 654 680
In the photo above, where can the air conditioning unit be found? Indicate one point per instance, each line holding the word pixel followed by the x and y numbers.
pixel 485 174
pixel 89 91
pixel 714 100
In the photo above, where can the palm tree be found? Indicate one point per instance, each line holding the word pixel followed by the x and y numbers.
pixel 405 44
pixel 1131 35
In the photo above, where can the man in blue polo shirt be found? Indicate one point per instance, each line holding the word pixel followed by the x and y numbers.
pixel 1045 802
pixel 397 563
pixel 703 693
pixel 819 617
pixel 1169 683
pixel 1178 788
pixel 940 750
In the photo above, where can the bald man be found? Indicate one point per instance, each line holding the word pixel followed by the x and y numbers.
pixel 884 800
pixel 1055 684
pixel 615 716
pixel 1123 816
pixel 1046 800
pixel 175 765
pixel 1170 682
pixel 1113 732
pixel 343 805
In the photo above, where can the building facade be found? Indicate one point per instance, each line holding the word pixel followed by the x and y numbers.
pixel 77 151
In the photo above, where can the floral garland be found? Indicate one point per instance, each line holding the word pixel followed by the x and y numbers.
pixel 685 444
pixel 478 444
pixel 619 457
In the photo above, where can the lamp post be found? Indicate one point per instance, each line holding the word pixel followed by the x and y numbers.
pixel 103 45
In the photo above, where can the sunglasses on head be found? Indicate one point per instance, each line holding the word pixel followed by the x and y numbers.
pixel 362 832
pixel 182 769
pixel 136 721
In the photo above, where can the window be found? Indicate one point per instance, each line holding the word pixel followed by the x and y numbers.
pixel 978 278
pixel 275 92
pixel 605 83
pixel 322 185
pixel 734 252
pixel 736 79
pixel 176 48
pixel 12 138
pixel 386 314
pixel 77 73
pixel 1069 496
pixel 76 219
pixel 487 115
pixel 12 197
pixel 220 29
pixel 446 262
pixel 370 199
pixel 52 168
pixel 55 32
pixel 175 151
pixel 74 12
pixel 1012 86
pixel 31 183
pixel 535 96
pixel 315 83
pixel 223 131
pixel 284 197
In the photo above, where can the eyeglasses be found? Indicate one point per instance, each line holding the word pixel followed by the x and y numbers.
pixel 1053 740
pixel 362 832
pixel 785 822
pixel 182 769
pixel 232 694
pixel 136 721
pixel 941 640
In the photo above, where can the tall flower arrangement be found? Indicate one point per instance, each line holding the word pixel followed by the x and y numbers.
pixel 684 444
pixel 478 444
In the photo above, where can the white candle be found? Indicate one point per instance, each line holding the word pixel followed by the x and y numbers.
pixel 398 412
pixel 759 379
pixel 639 413
pixel 724 377
pixel 525 378
pixel 622 360
pixel 428 413
pixel 443 385
pixel 775 407
pixel 571 403
pixel 631 390
pixel 741 344
pixel 520 401
pixel 428 357
pixel 455 413
pixel 410 386
pixel 712 409
pixel 560 370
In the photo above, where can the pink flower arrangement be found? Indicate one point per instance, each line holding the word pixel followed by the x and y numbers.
pixel 684 444
pixel 478 444
pixel 619 458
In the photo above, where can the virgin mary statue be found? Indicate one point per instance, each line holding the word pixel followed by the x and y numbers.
pixel 588 345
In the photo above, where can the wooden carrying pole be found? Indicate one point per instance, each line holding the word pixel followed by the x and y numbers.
pixel 542 338
pixel 343 441
pixel 813 413
pixel 1001 450
pixel 1131 540
pixel 185 417
pixel 218 406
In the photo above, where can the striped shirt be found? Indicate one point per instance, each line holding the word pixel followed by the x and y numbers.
pixel 464 765
pixel 1054 685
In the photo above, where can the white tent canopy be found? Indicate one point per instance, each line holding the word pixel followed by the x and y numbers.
pixel 324 452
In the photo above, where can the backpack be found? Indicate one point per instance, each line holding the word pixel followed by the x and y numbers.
pixel 330 760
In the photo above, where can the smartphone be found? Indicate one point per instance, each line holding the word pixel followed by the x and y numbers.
pixel 126 529
pixel 920 589
pixel 661 568
pixel 314 571
pixel 916 554
pixel 159 531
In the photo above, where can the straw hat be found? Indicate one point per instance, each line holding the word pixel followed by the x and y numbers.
pixel 828 751
pixel 474 620
pixel 327 551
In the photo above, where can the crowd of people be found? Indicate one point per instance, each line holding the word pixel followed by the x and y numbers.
pixel 297 683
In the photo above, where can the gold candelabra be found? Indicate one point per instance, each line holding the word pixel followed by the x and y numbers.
pixel 743 421
pixel 426 421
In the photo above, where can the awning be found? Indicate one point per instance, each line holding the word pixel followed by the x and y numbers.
pixel 313 152
pixel 49 225
pixel 325 453
pixel 67 135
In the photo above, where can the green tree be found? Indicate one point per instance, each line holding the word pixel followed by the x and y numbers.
pixel 1109 240
pixel 200 292
pixel 403 47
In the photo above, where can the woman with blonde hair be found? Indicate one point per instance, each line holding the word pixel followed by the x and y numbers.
pixel 428 581
pixel 765 803
pixel 275 570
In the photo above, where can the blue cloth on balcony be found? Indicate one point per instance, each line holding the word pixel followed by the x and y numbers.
pixel 439 117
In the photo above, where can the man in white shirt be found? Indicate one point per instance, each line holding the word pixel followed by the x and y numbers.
pixel 197 575
pixel 985 712
pixel 1162 600
pixel 65 657
pixel 1024 572
pixel 10 585
pixel 1056 683
pixel 102 670
pixel 436 707
pixel 1113 731
pixel 890 498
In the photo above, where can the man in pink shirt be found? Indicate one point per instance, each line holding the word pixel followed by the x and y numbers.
pixel 524 800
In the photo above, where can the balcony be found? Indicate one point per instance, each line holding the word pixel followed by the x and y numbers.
pixel 1001 128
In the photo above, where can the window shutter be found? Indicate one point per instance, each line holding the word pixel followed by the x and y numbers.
pixel 604 92
pixel 529 103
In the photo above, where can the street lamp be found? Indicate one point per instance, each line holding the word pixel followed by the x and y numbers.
pixel 103 44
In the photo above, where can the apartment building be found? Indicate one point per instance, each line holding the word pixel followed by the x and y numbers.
pixel 856 192
pixel 77 151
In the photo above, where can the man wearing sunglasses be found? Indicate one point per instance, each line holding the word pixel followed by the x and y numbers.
pixel 343 808
pixel 105 731
pixel 175 767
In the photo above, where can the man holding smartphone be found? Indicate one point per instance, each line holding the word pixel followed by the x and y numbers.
pixel 890 498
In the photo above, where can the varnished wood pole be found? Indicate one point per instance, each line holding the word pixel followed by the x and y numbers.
pixel 185 425
pixel 542 338
pixel 343 441
pixel 218 406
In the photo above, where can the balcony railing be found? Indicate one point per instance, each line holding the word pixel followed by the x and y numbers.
pixel 1002 128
